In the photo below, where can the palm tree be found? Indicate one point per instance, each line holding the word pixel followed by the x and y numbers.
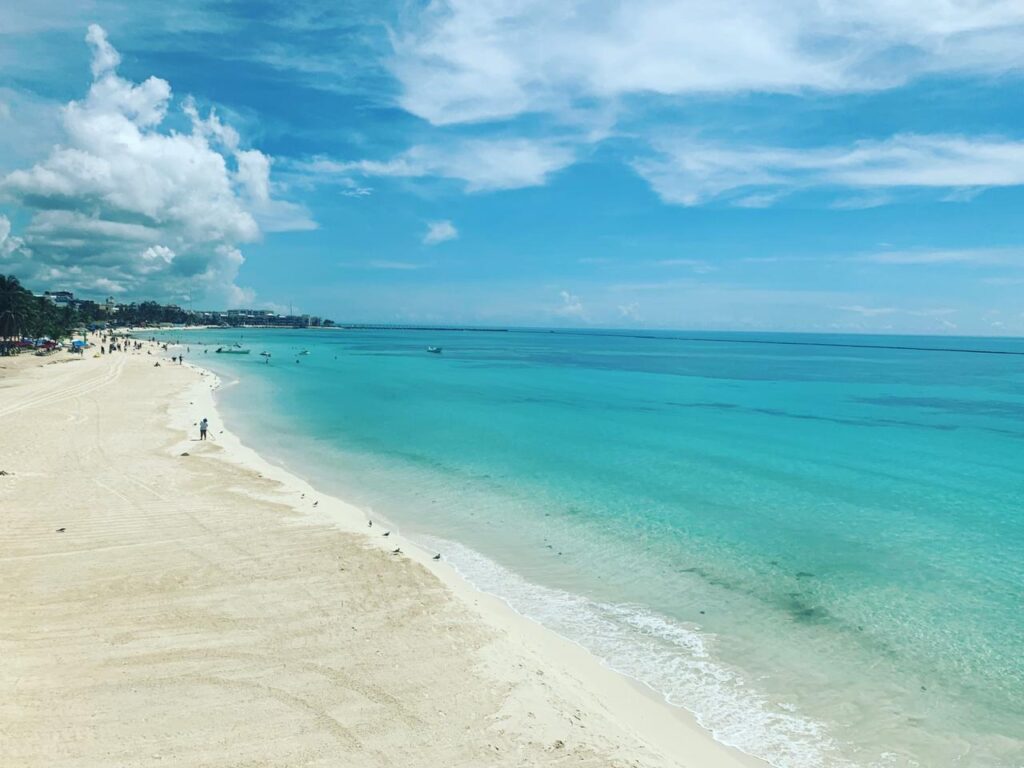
pixel 12 310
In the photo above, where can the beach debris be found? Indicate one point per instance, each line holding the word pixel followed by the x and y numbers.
pixel 185 453
pixel 387 533
pixel 396 551
pixel 61 530
pixel 437 556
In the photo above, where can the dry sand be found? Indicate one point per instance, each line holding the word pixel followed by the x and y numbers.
pixel 199 610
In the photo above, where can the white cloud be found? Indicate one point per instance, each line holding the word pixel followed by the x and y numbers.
pixel 869 311
pixel 975 256
pixel 476 60
pixel 440 232
pixel 571 306
pixel 482 164
pixel 690 173
pixel 104 58
pixel 8 244
pixel 630 312
pixel 137 209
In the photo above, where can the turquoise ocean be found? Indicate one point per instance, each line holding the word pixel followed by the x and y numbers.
pixel 813 543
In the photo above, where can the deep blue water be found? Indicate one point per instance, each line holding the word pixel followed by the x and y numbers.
pixel 814 543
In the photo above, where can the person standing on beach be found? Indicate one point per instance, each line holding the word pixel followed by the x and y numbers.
pixel 203 426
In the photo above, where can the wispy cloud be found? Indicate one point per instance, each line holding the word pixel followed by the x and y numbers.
pixel 476 60
pixel 383 264
pixel 404 266
pixel 869 311
pixel 439 232
pixel 975 256
pixel 484 165
pixel 691 173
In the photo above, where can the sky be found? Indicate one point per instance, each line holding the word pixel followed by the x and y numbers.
pixel 791 165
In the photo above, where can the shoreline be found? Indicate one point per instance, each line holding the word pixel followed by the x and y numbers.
pixel 643 707
pixel 530 689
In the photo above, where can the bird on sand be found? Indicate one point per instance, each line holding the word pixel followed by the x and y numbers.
pixel 315 503
pixel 387 533
pixel 61 530
pixel 369 523
pixel 437 556
pixel 397 551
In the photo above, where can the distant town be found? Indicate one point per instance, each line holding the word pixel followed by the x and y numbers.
pixel 150 313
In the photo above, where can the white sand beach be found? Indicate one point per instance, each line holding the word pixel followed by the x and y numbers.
pixel 171 602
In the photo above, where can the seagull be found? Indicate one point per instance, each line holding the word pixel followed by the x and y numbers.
pixel 369 523
pixel 437 556
pixel 61 530
pixel 387 533
pixel 315 503
pixel 397 551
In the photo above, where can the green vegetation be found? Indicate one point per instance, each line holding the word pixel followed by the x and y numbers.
pixel 56 315
pixel 23 314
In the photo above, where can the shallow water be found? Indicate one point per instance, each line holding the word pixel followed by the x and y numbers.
pixel 817 549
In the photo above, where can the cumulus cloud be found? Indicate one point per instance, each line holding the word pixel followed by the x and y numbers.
pixel 690 173
pixel 8 244
pixel 440 232
pixel 104 58
pixel 124 205
pixel 484 165
pixel 571 306
pixel 475 60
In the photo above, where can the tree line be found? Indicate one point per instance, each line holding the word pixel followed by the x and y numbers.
pixel 24 314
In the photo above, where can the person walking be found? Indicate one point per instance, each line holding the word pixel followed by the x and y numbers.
pixel 203 426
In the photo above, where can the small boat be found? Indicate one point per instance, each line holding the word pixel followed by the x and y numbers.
pixel 434 350
pixel 232 351
pixel 304 352
pixel 264 354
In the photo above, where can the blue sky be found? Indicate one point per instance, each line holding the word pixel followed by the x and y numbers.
pixel 746 164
